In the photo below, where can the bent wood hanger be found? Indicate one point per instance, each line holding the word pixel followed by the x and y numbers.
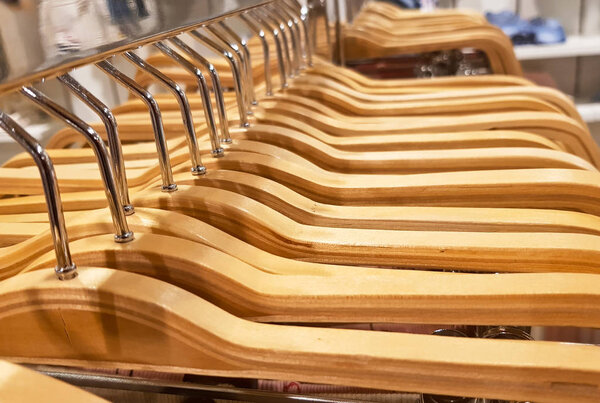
pixel 20 384
pixel 560 129
pixel 355 296
pixel 183 333
pixel 272 231
pixel 407 218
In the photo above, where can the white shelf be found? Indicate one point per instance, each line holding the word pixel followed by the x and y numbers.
pixel 574 46
pixel 589 112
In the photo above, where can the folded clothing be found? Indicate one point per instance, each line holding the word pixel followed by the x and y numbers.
pixel 538 31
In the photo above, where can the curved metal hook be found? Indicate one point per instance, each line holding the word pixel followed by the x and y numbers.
pixel 65 268
pixel 235 69
pixel 123 234
pixel 216 82
pixel 164 161
pixel 217 150
pixel 184 106
pixel 114 143
pixel 266 54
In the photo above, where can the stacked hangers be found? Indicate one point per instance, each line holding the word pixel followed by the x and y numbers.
pixel 381 29
pixel 277 216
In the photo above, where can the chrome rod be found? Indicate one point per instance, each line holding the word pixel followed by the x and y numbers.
pixel 278 47
pixel 65 268
pixel 286 50
pixel 112 133
pixel 235 69
pixel 221 39
pixel 164 161
pixel 266 54
pixel 122 232
pixel 217 150
pixel 184 106
pixel 247 57
pixel 216 82
pixel 295 50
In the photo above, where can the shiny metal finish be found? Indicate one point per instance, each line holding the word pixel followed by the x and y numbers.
pixel 223 40
pixel 294 24
pixel 257 30
pixel 278 47
pixel 294 36
pixel 235 68
pixel 164 161
pixel 184 106
pixel 216 82
pixel 296 9
pixel 211 124
pixel 267 16
pixel 123 234
pixel 65 268
pixel 61 35
pixel 114 143
pixel 247 59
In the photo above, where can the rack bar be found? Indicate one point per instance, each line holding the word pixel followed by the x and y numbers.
pixel 45 38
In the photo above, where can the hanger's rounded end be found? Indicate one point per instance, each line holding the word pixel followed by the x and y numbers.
pixel 124 237
pixel 66 273
pixel 128 209
pixel 198 170
pixel 169 188
pixel 218 152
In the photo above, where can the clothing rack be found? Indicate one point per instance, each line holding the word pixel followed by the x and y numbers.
pixel 122 34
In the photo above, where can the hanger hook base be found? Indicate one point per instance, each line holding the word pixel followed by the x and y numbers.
pixel 218 152
pixel 124 238
pixel 66 273
pixel 169 188
pixel 198 170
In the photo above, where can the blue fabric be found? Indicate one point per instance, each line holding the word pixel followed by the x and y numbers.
pixel 523 32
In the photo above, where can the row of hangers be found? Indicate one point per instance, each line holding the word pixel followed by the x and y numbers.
pixel 271 207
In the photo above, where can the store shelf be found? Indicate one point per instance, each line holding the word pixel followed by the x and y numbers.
pixel 574 46
pixel 590 112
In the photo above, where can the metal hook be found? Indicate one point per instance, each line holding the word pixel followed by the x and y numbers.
pixel 65 268
pixel 235 69
pixel 184 106
pixel 235 39
pixel 265 45
pixel 217 150
pixel 302 11
pixel 278 47
pixel 296 51
pixel 164 161
pixel 216 82
pixel 123 234
pixel 281 26
pixel 114 143
pixel 222 39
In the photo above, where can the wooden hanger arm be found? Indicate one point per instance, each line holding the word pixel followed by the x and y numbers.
pixel 105 314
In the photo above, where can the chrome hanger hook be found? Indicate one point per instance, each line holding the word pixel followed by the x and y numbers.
pixel 216 82
pixel 122 232
pixel 164 161
pixel 217 150
pixel 114 143
pixel 65 268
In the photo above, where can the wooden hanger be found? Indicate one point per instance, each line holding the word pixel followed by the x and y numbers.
pixel 272 231
pixel 23 385
pixel 558 128
pixel 360 44
pixel 107 318
pixel 345 294
pixel 315 85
